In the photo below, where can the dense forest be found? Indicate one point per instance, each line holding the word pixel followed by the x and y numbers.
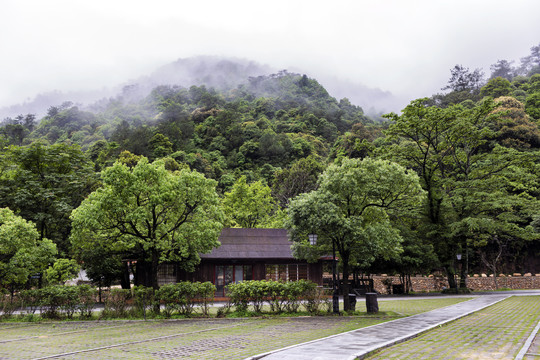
pixel 475 149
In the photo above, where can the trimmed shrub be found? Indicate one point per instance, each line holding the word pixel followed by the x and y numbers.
pixel 187 296
pixel 8 304
pixel 315 300
pixel 276 296
pixel 31 300
pixel 205 293
pixel 295 291
pixel 87 300
pixel 169 295
pixel 144 300
pixel 116 302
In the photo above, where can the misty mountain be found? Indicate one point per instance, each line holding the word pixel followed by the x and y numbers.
pixel 212 71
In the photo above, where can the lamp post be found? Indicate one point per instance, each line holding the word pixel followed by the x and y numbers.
pixel 335 296
pixel 461 281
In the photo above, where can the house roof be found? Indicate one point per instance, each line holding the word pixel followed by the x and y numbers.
pixel 252 244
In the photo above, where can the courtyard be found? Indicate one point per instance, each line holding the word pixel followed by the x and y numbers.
pixel 497 332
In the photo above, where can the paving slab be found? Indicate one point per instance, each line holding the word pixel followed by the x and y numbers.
pixel 361 342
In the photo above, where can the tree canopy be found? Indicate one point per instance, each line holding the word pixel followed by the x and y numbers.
pixel 350 210
pixel 151 215
pixel 22 252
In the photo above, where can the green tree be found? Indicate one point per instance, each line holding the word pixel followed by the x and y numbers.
pixel 22 252
pixel 462 79
pixel 473 185
pixel 151 215
pixel 249 205
pixel 44 184
pixel 299 178
pixel 160 146
pixel 350 210
pixel 532 105
pixel 62 270
pixel 503 69
pixel 497 87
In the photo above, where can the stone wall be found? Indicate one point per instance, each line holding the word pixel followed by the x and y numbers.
pixel 475 282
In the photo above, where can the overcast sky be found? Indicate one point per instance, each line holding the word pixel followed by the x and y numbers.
pixel 402 46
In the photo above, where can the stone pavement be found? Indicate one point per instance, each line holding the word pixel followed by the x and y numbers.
pixel 359 343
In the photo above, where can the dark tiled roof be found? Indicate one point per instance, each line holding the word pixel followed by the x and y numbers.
pixel 252 244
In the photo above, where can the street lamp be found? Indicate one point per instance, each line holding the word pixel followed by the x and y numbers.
pixel 335 294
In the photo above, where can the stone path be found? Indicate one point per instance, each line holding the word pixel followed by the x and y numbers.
pixel 358 343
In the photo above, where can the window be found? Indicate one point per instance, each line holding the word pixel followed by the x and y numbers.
pixel 287 272
pixel 228 274
pixel 166 274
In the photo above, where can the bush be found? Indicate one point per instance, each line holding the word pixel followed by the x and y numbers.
pixel 280 295
pixel 276 296
pixel 205 293
pixel 87 300
pixel 144 300
pixel 31 300
pixel 295 291
pixel 116 302
pixel 315 299
pixel 182 297
pixel 187 296
pixel 51 300
pixel 239 295
pixel 8 304
pixel 68 297
pixel 169 295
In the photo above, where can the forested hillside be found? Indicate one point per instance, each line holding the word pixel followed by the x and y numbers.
pixel 475 149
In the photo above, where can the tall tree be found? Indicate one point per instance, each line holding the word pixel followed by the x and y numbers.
pixel 299 178
pixel 503 69
pixel 151 215
pixel 249 205
pixel 350 210
pixel 471 181
pixel 43 184
pixel 22 252
pixel 462 79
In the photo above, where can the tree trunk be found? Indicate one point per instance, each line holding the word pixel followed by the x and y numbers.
pixel 155 266
pixel 450 276
pixel 124 280
pixel 346 302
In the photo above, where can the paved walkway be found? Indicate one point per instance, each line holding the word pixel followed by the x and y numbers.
pixel 358 343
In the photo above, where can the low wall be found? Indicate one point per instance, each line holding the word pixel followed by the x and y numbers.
pixel 475 283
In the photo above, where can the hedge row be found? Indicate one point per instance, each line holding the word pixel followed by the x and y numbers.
pixel 64 301
pixel 280 296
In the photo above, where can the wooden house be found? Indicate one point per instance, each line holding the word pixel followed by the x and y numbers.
pixel 247 254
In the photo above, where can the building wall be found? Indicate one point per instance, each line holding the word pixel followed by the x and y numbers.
pixel 206 270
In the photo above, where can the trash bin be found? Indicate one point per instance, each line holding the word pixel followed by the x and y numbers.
pixel 352 301
pixel 372 305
